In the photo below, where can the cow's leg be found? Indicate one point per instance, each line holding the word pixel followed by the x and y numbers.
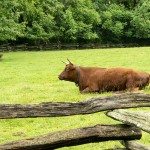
pixel 131 87
pixel 130 83
pixel 86 90
pixel 119 92
pixel 92 89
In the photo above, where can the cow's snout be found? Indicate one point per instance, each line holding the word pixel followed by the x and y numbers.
pixel 60 77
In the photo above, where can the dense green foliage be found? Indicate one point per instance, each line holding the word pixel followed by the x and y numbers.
pixel 36 21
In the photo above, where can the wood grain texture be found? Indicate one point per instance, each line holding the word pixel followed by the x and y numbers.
pixel 139 119
pixel 88 106
pixel 133 145
pixel 97 133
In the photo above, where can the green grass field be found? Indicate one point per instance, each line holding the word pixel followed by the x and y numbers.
pixel 32 77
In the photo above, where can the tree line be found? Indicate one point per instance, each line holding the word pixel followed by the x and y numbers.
pixel 70 21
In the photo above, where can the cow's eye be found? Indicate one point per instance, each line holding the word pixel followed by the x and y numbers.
pixel 67 69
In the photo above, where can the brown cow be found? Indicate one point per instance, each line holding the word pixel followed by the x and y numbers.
pixel 93 79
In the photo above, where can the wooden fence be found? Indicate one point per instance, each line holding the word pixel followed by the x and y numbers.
pixel 127 132
pixel 61 46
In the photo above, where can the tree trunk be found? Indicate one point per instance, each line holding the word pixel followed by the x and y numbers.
pixel 1 56
pixel 74 137
pixel 133 145
pixel 140 119
pixel 91 105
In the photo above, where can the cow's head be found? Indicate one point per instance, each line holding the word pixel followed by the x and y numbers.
pixel 69 73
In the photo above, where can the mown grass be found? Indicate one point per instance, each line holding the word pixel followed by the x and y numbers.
pixel 32 77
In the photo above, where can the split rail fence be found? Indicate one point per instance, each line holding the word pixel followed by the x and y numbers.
pixel 61 46
pixel 127 133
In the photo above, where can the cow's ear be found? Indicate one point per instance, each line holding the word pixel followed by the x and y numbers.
pixel 73 67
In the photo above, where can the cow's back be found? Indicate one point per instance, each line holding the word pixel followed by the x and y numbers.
pixel 105 79
pixel 116 79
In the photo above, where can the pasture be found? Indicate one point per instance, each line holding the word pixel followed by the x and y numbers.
pixel 32 77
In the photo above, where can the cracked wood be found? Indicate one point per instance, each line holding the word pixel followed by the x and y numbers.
pixel 97 133
pixel 88 106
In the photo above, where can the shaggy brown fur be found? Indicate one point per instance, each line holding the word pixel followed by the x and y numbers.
pixel 92 79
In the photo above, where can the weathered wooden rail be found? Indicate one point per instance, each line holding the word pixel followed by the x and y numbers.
pixel 134 121
pixel 139 119
pixel 88 106
pixel 75 137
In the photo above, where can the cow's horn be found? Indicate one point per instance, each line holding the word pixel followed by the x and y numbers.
pixel 69 61
pixel 64 62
